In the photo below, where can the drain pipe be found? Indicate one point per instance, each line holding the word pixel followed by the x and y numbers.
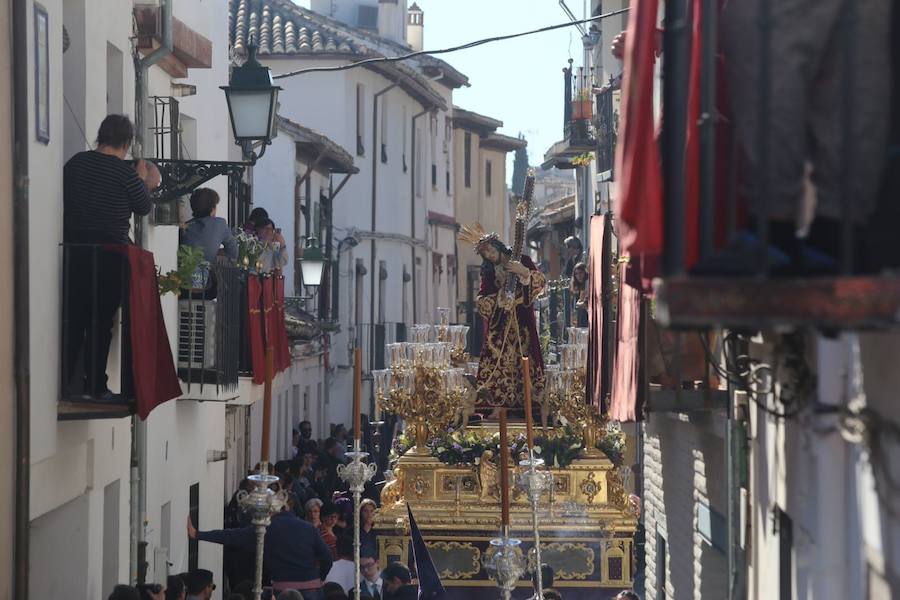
pixel 138 492
pixel 22 363
pixel 412 213
pixel 376 156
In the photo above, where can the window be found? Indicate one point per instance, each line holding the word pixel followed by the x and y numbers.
pixel 194 512
pixel 433 144
pixel 467 160
pixel 448 131
pixel 660 567
pixel 360 118
pixel 384 128
pixel 447 177
pixel 403 141
pixel 487 177
pixel 785 553
pixel 420 160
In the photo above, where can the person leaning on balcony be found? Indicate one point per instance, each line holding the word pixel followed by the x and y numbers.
pixel 207 231
pixel 100 192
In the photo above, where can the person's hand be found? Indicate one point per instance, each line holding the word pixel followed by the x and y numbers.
pixel 153 178
pixel 521 271
pixel 280 239
pixel 191 530
pixel 618 46
pixel 140 166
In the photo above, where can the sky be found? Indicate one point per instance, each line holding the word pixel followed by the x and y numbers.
pixel 518 81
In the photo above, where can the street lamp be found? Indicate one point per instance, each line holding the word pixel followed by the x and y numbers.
pixel 312 263
pixel 252 101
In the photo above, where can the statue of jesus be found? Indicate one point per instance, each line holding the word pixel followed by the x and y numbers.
pixel 510 330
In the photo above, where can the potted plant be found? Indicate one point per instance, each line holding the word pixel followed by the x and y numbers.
pixel 582 104
pixel 192 272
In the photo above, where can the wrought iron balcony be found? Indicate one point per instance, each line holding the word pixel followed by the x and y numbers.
pixel 606 121
pixel 720 268
pixel 96 348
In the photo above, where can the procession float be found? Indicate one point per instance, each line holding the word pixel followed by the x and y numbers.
pixel 538 479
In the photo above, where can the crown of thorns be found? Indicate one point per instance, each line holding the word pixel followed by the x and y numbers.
pixel 474 234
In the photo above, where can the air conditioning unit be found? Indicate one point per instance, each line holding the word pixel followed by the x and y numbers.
pixel 196 334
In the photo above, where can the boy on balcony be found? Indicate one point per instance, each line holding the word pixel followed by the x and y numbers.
pixel 100 191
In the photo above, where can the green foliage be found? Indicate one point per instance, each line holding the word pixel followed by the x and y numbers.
pixel 189 259
pixel 558 449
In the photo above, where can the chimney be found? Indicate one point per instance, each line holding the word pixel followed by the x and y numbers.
pixel 415 27
pixel 391 20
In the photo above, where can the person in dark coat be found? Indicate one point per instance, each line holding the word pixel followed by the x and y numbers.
pixel 294 552
pixel 397 583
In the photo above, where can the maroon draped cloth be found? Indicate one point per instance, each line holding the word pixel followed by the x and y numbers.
pixel 278 328
pixel 623 404
pixel 505 343
pixel 255 327
pixel 153 368
pixel 597 271
pixel 265 305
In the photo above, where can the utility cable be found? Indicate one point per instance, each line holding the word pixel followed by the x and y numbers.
pixel 473 44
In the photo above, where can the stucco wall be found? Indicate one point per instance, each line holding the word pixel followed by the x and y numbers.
pixel 683 469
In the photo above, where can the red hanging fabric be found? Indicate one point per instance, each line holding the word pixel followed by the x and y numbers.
pixel 625 384
pixel 692 143
pixel 282 348
pixel 637 155
pixel 255 327
pixel 153 368
pixel 596 269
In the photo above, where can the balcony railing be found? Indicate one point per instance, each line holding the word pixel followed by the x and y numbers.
pixel 749 273
pixel 606 130
pixel 209 331
pixel 371 339
pixel 96 349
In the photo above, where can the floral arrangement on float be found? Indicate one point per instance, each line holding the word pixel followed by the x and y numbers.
pixel 559 448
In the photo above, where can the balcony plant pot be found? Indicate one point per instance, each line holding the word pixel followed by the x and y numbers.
pixel 582 109
pixel 670 351
pixel 200 277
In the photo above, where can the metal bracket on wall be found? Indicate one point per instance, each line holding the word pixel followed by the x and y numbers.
pixel 181 177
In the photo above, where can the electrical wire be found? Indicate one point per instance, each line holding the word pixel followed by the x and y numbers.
pixel 466 46
pixel 743 372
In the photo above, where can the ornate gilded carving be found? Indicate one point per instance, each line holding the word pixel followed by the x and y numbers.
pixel 561 484
pixel 455 560
pixel 392 492
pixel 616 489
pixel 468 484
pixel 420 486
pixel 590 487
pixel 569 560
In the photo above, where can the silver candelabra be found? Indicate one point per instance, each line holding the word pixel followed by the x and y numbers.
pixel 505 562
pixel 261 504
pixel 356 473
pixel 535 482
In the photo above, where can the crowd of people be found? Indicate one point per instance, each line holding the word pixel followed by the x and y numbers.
pixel 308 549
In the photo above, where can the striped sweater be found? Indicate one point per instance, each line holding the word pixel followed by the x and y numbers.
pixel 99 194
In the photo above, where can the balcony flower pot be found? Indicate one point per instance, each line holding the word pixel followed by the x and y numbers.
pixel 200 276
pixel 668 350
pixel 582 109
